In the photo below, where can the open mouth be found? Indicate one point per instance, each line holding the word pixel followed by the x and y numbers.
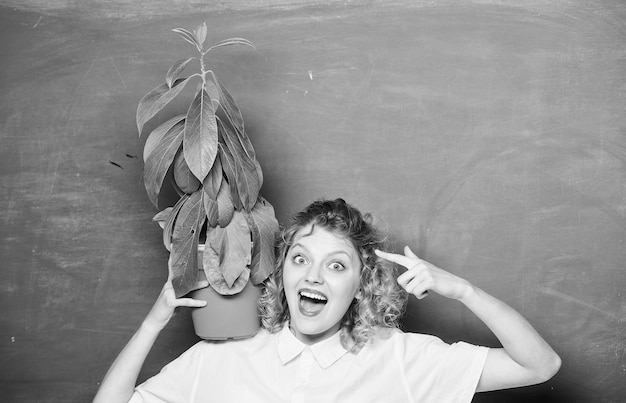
pixel 311 302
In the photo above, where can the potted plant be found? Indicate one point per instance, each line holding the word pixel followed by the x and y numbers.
pixel 220 228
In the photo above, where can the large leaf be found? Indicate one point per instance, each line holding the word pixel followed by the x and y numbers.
pixel 214 93
pixel 219 284
pixel 176 71
pixel 243 168
pixel 228 104
pixel 225 207
pixel 212 211
pixel 185 236
pixel 155 137
pixel 200 143
pixel 213 180
pixel 233 246
pixel 259 172
pixel 159 161
pixel 230 172
pixel 183 177
pixel 264 228
pixel 168 227
pixel 156 100
pixel 211 186
pixel 234 117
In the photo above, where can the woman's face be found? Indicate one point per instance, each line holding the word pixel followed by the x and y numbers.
pixel 321 278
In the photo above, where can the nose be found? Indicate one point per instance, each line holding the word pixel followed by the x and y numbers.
pixel 314 274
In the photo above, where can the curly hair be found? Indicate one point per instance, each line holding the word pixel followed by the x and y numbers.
pixel 381 300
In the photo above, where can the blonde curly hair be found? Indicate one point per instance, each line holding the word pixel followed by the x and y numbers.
pixel 381 300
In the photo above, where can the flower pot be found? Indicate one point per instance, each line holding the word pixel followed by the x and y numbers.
pixel 225 316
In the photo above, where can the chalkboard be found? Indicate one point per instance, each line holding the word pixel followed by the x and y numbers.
pixel 488 135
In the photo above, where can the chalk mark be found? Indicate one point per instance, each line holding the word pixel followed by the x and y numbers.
pixel 99 331
pixel 569 298
pixel 118 71
pixel 65 117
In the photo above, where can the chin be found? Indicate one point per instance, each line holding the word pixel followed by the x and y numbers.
pixel 311 328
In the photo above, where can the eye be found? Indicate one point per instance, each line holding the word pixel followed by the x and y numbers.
pixel 337 266
pixel 298 259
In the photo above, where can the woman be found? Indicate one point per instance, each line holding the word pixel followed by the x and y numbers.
pixel 330 314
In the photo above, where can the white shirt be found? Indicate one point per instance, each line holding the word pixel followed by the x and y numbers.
pixel 403 367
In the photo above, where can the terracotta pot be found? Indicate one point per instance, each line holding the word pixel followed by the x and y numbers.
pixel 225 316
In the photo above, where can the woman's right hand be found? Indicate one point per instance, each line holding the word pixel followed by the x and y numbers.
pixel 119 383
pixel 165 305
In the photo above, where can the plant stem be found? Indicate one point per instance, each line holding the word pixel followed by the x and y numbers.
pixel 203 69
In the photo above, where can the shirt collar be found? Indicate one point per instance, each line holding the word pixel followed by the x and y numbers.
pixel 325 352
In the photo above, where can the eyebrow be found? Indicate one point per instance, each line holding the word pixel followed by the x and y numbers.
pixel 333 253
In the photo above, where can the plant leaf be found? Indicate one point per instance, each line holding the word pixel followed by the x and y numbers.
pixel 154 138
pixel 233 246
pixel 214 94
pixel 229 106
pixel 183 177
pixel 212 211
pixel 213 180
pixel 156 100
pixel 259 172
pixel 212 252
pixel 244 169
pixel 200 33
pixel 169 223
pixel 233 114
pixel 232 41
pixel 200 142
pixel 184 259
pixel 176 70
pixel 264 228
pixel 225 206
pixel 230 171
pixel 188 36
pixel 161 217
pixel 217 281
pixel 159 161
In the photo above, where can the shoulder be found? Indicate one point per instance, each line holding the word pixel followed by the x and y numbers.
pixel 390 336
pixel 260 340
pixel 395 341
pixel 420 348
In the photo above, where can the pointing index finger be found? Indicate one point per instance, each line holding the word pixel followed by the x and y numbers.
pixel 395 258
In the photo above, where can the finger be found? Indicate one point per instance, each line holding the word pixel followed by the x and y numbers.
pixel 408 252
pixel 418 269
pixel 405 278
pixel 190 302
pixel 170 263
pixel 409 279
pixel 168 285
pixel 415 273
pixel 417 287
pixel 399 259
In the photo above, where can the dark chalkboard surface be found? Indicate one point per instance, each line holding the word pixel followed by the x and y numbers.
pixel 489 135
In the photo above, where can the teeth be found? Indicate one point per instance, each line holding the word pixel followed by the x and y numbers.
pixel 314 296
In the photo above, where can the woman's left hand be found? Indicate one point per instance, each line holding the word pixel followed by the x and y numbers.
pixel 422 276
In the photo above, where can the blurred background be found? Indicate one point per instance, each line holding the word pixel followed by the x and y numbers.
pixel 488 135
